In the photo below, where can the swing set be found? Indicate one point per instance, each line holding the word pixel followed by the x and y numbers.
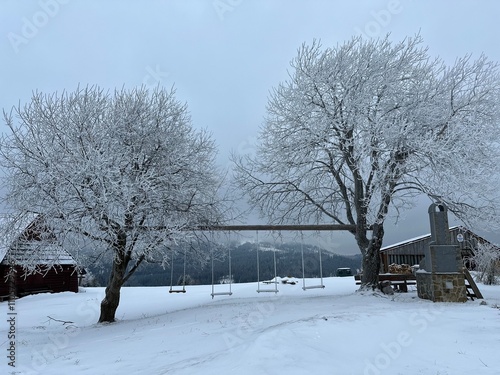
pixel 321 285
pixel 172 290
pixel 275 279
pixel 257 228
pixel 223 293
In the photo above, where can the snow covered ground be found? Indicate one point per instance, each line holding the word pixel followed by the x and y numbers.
pixel 335 330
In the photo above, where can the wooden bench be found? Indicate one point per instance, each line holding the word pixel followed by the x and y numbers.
pixel 399 281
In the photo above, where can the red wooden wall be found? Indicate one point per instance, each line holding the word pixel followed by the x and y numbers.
pixel 61 279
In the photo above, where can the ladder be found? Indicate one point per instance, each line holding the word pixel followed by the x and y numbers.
pixel 471 286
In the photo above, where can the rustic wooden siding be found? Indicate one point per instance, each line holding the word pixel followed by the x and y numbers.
pixel 59 279
pixel 413 251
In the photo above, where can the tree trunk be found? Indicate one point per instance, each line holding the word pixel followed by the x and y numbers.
pixel 371 267
pixel 371 258
pixel 112 297
pixel 490 273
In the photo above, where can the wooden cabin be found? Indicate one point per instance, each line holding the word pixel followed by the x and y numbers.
pixel 412 251
pixel 34 264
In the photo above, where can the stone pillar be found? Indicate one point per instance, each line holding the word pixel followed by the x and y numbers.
pixel 440 277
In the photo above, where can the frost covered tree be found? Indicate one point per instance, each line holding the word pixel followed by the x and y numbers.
pixel 125 172
pixel 486 262
pixel 364 127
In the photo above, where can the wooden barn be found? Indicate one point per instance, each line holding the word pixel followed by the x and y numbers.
pixel 27 267
pixel 412 251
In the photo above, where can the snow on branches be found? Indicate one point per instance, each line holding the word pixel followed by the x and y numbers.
pixel 371 123
pixel 120 172
pixel 366 126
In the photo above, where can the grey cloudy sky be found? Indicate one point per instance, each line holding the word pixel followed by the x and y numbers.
pixel 223 56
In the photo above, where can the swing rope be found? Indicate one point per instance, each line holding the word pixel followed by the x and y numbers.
pixel 304 287
pixel 259 290
pixel 172 290
pixel 228 293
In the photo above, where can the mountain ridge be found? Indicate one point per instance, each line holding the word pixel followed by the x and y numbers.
pixel 243 265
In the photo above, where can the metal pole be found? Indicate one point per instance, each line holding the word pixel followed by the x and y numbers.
pixel 303 270
pixel 230 274
pixel 258 267
pixel 285 227
pixel 320 267
pixel 275 276
pixel 184 273
pixel 172 271
pixel 212 256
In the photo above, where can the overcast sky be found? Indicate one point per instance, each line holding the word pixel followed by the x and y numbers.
pixel 223 56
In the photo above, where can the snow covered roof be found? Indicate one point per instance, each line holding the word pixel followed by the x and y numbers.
pixel 3 252
pixel 27 249
pixel 411 240
pixel 32 254
pixel 428 236
pixel 11 228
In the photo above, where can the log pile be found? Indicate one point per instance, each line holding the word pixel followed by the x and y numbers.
pixel 401 269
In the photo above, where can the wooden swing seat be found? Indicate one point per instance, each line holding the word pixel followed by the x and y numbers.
pixel 221 294
pixel 267 290
pixel 313 287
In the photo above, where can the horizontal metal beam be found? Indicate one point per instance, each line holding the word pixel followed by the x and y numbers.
pixel 263 227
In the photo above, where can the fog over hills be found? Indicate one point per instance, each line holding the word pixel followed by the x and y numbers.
pixel 243 265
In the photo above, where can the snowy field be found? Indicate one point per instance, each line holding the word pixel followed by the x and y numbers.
pixel 335 330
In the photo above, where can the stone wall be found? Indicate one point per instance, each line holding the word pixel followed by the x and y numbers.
pixel 441 278
pixel 441 287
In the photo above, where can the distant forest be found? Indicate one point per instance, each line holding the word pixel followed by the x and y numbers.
pixel 243 266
